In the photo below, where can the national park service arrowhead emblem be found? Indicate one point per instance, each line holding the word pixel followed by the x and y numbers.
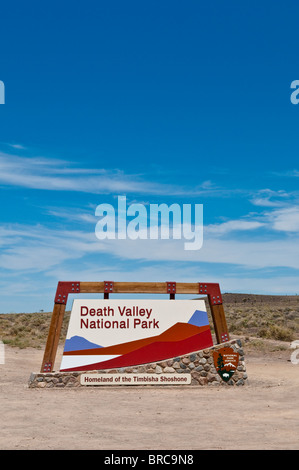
pixel 226 362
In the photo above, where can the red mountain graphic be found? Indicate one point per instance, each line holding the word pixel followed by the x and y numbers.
pixel 176 332
pixel 181 338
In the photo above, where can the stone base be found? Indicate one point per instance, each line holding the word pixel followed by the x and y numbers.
pixel 199 364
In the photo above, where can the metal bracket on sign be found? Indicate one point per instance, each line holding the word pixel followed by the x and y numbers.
pixel 224 337
pixel 108 289
pixel 213 290
pixel 64 289
pixel 48 367
pixel 171 289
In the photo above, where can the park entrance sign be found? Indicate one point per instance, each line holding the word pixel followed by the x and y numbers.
pixel 108 334
pixel 105 334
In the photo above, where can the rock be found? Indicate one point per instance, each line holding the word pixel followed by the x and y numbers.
pixel 163 364
pixel 186 360
pixel 202 381
pixel 168 370
pixel 211 377
pixel 32 377
pixel 240 382
pixel 41 384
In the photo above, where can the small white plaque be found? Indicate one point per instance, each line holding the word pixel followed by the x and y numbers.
pixel 135 379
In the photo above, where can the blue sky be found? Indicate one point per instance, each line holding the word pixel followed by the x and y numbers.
pixel 163 102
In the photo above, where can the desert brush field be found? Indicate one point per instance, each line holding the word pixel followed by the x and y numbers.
pixel 263 414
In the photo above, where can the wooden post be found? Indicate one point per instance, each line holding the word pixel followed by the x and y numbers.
pixel 219 321
pixel 53 338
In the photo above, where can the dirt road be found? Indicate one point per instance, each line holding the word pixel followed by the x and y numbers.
pixel 261 415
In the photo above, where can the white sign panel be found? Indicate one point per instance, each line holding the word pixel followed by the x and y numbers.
pixel 106 334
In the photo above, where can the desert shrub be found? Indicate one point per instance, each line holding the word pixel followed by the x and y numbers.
pixel 276 332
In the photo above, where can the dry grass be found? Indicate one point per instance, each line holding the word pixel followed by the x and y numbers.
pixel 253 316
pixel 270 317
pixel 28 329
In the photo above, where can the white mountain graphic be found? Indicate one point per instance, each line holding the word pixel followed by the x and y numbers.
pixel 229 364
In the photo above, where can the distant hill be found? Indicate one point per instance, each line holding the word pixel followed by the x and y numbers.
pixel 266 299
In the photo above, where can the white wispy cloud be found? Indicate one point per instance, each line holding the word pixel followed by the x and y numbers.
pixel 259 241
pixel 41 256
pixel 38 248
pixel 269 198
pixel 17 146
pixel 74 215
pixel 288 173
pixel 233 226
pixel 285 220
pixel 60 175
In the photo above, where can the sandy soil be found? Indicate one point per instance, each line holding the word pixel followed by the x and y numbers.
pixel 261 415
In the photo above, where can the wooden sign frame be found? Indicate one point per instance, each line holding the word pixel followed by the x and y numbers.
pixel 212 290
